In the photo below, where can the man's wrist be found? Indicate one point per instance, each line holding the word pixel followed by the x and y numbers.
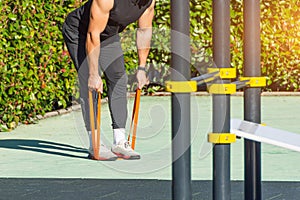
pixel 93 74
pixel 142 68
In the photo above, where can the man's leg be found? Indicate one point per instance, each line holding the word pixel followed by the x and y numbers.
pixel 76 47
pixel 112 62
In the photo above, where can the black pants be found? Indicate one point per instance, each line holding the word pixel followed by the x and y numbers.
pixel 111 63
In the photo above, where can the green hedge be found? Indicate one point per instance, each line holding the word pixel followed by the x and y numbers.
pixel 38 76
pixel 280 42
pixel 36 73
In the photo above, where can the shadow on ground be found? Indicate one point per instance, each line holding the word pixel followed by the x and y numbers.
pixel 42 146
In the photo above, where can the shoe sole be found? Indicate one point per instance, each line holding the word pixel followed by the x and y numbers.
pixel 137 157
pixel 101 158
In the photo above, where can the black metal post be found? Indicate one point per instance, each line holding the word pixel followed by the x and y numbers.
pixel 252 98
pixel 221 103
pixel 180 63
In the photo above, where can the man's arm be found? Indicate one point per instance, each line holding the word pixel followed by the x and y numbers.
pixel 98 19
pixel 143 41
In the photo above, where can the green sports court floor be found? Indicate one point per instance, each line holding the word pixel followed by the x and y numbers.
pixel 48 160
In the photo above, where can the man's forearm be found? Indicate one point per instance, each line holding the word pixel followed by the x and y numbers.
pixel 93 52
pixel 143 39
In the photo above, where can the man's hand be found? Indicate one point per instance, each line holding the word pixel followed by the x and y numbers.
pixel 95 83
pixel 141 78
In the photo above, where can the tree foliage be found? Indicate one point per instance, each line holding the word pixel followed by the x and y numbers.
pixel 38 76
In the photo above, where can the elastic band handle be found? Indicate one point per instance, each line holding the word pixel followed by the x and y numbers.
pixel 135 117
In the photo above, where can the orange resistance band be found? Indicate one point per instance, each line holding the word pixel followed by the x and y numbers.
pixel 95 137
pixel 135 117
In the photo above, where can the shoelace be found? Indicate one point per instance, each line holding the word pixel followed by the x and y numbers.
pixel 127 145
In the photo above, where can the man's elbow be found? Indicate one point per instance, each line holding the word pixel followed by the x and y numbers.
pixel 93 37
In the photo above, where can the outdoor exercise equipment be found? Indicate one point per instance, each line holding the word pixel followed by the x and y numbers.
pixel 181 127
pixel 266 134
pixel 221 89
pixel 135 117
pixel 95 136
pixel 252 98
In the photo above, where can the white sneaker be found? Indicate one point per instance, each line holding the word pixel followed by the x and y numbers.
pixel 105 154
pixel 124 150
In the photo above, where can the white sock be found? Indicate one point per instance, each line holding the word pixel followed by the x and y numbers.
pixel 119 134
pixel 90 139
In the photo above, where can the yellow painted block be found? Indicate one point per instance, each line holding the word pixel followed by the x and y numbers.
pixel 224 73
pixel 255 81
pixel 221 138
pixel 222 89
pixel 181 86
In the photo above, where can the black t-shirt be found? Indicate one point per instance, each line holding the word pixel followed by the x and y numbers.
pixel 122 14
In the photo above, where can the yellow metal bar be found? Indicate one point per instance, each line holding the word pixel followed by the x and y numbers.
pixel 255 81
pixel 209 79
pixel 222 89
pixel 221 138
pixel 181 86
pixel 224 73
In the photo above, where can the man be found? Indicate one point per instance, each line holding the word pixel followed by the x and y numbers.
pixel 91 36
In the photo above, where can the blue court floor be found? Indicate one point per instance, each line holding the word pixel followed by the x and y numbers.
pixel 55 149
